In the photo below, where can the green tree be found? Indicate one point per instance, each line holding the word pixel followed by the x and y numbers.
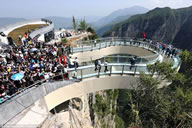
pixel 93 35
pixel 91 30
pixel 83 25
pixel 119 122
pixel 74 24
pixel 158 108
pixel 164 70
pixel 186 66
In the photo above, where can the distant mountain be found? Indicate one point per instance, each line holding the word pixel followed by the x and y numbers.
pixel 107 22
pixel 107 27
pixel 163 24
pixel 9 20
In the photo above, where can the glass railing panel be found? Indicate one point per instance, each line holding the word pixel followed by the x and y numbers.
pixel 89 72
pixel 125 60
pixel 116 69
pixel 141 69
pixel 87 48
pixel 129 69
pixel 110 59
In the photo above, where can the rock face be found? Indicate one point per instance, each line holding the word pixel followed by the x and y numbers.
pixel 163 24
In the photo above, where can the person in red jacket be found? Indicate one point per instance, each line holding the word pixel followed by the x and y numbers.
pixel 144 35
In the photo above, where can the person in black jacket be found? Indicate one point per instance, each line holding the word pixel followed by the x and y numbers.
pixel 96 64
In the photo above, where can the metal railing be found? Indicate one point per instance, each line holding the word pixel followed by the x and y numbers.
pixel 112 68
pixel 120 59
pixel 84 46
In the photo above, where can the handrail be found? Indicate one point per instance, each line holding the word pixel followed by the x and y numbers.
pixel 122 59
pixel 113 68
pixel 106 42
pixel 109 38
pixel 89 71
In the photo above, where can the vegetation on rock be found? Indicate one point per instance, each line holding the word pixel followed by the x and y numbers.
pixel 163 24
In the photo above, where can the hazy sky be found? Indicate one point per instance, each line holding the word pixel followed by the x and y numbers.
pixel 67 8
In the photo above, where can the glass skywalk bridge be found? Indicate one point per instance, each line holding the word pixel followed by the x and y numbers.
pixel 42 88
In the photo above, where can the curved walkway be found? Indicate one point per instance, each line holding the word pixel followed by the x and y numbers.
pixel 57 92
pixel 97 54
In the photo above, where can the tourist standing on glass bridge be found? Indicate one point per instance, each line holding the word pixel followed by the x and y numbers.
pixel 99 65
pixel 76 64
pixel 105 64
pixel 96 64
pixel 133 62
pixel 95 42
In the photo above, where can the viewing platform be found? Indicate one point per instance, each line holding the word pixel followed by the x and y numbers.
pixel 49 93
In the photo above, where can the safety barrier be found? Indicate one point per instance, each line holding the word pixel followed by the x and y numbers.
pixel 15 104
pixel 85 46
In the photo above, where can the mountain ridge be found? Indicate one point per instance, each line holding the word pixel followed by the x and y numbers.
pixel 163 24
pixel 117 16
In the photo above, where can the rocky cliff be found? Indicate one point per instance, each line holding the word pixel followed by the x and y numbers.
pixel 163 24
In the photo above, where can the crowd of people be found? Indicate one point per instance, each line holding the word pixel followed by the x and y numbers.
pixel 163 48
pixel 34 61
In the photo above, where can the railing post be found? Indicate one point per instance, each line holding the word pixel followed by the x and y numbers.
pixel 62 74
pixel 91 60
pixel 82 48
pixel 123 69
pixel 91 47
pixel 117 58
pixel 110 70
pixel 104 59
pixel 113 42
pixel 98 74
pixel 81 74
pixel 135 70
pixel 124 42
